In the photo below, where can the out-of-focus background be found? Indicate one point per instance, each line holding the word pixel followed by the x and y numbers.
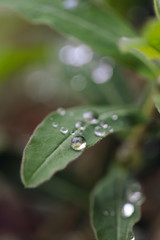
pixel 41 70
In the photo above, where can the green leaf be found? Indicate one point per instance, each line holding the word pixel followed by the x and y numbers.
pixel 157 7
pixel 98 28
pixel 49 151
pixel 108 200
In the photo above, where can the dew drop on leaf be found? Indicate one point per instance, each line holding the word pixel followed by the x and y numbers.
pixel 114 117
pixel 90 117
pixel 80 125
pixel 106 213
pixel 134 194
pixel 78 143
pixel 61 111
pixel 73 132
pixel 99 131
pixel 127 210
pixel 64 130
pixel 111 130
pixel 131 236
pixel 104 125
pixel 54 124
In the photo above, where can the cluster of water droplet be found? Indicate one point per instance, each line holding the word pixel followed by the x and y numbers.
pixel 88 118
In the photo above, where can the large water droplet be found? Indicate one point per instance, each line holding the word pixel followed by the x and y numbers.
pixel 80 125
pixel 127 210
pixel 90 117
pixel 78 143
pixel 99 131
pixel 61 111
pixel 54 124
pixel 102 73
pixel 114 117
pixel 64 130
pixel 70 4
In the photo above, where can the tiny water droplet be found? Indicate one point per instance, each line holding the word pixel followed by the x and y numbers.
pixel 114 117
pixel 78 143
pixel 112 213
pixel 61 111
pixel 106 213
pixel 131 236
pixel 73 132
pixel 80 125
pixel 104 125
pixel 134 194
pixel 99 131
pixel 127 210
pixel 54 124
pixel 90 117
pixel 64 130
pixel 111 130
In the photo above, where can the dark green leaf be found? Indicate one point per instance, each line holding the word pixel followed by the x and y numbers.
pixel 108 200
pixel 49 151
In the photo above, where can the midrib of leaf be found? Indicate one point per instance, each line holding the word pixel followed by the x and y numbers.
pixel 118 218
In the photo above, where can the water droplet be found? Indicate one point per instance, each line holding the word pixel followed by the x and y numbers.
pixel 54 124
pixel 112 213
pixel 111 130
pixel 76 56
pixel 106 213
pixel 70 4
pixel 90 117
pixel 127 210
pixel 114 117
pixel 131 236
pixel 102 73
pixel 73 132
pixel 134 194
pixel 99 131
pixel 61 111
pixel 78 83
pixel 104 125
pixel 64 130
pixel 80 125
pixel 78 143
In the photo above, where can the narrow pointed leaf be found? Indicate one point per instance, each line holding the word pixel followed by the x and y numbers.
pixel 157 102
pixel 49 151
pixel 107 210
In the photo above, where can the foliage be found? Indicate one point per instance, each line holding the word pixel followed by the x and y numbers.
pixel 63 135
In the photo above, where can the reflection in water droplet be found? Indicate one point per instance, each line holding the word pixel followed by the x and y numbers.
pixel 90 117
pixel 104 125
pixel 134 194
pixel 76 56
pixel 102 73
pixel 127 210
pixel 114 117
pixel 78 143
pixel 54 124
pixel 61 111
pixel 78 83
pixel 70 4
pixel 99 131
pixel 80 125
pixel 64 130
